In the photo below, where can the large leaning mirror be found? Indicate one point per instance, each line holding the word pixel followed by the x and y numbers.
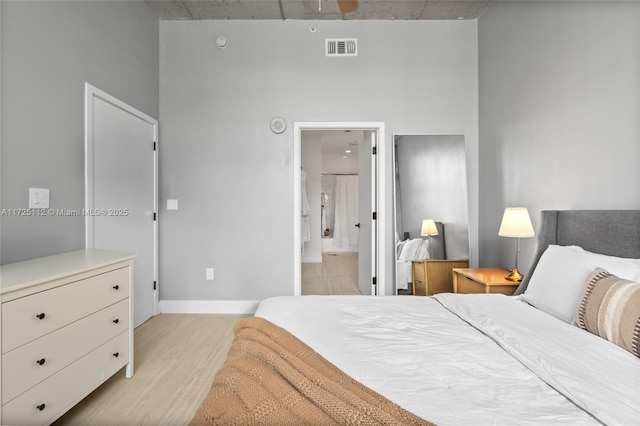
pixel 430 182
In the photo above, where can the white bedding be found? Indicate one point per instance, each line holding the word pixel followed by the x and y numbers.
pixel 404 274
pixel 407 251
pixel 515 365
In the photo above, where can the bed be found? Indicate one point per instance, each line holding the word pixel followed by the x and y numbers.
pixel 415 247
pixel 564 351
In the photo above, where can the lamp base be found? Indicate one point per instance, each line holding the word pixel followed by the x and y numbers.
pixel 514 275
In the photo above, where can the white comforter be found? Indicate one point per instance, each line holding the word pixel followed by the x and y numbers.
pixel 513 365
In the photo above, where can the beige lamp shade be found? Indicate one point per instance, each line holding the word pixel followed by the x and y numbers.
pixel 428 228
pixel 516 223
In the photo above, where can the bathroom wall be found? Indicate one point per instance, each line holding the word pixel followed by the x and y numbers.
pixel 311 159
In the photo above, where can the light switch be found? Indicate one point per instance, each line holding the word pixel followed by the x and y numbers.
pixel 172 204
pixel 38 198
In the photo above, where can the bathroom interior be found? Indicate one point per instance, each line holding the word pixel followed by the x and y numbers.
pixel 329 161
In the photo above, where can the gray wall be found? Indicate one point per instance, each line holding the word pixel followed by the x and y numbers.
pixel 234 178
pixel 432 177
pixel 559 102
pixel 559 113
pixel 49 50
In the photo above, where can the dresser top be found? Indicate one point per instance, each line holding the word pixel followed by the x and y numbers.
pixel 35 271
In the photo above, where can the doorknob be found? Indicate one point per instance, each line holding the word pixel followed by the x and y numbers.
pixel 357 225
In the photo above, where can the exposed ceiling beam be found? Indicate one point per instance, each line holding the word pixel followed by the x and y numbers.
pixel 318 9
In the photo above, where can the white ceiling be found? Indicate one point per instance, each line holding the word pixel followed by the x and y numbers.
pixel 337 142
pixel 334 145
pixel 316 9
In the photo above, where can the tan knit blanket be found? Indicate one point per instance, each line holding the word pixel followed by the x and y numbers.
pixel 272 378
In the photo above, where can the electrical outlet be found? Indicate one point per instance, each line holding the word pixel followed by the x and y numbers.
pixel 209 274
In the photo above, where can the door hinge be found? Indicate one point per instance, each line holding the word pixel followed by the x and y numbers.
pixel 154 285
pixel 374 150
pixel 154 145
pixel 374 281
pixel 375 216
pixel 154 216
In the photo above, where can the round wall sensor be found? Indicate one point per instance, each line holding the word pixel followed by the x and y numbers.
pixel 222 42
pixel 278 125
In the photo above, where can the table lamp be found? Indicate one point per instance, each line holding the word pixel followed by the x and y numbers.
pixel 429 229
pixel 516 223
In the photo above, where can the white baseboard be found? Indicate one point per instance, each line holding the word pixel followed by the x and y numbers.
pixel 340 250
pixel 312 259
pixel 208 306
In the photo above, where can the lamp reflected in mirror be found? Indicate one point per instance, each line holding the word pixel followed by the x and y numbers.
pixel 428 230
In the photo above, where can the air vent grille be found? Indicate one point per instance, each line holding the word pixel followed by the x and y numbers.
pixel 341 47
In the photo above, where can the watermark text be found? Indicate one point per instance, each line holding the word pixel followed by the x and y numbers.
pixel 64 212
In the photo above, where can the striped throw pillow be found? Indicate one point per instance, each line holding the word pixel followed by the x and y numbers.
pixel 610 308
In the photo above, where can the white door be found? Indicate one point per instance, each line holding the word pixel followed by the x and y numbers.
pixel 122 186
pixel 366 239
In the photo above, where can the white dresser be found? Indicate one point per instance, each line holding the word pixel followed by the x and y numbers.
pixel 66 327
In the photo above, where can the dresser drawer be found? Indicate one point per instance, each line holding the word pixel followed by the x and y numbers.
pixel 28 365
pixel 420 288
pixel 418 271
pixel 28 318
pixel 467 285
pixel 59 392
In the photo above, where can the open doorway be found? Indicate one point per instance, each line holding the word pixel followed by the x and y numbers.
pixel 311 230
pixel 331 216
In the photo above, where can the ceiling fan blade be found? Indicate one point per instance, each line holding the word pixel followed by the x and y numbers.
pixel 347 6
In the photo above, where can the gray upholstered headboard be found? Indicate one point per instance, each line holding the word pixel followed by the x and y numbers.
pixel 610 232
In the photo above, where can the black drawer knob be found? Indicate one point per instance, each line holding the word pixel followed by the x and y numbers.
pixel 115 287
pixel 41 406
pixel 117 354
pixel 41 361
pixel 116 320
pixel 40 316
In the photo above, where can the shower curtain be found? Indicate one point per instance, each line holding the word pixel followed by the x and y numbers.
pixel 346 212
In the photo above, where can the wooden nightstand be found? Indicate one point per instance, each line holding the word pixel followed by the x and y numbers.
pixel 431 276
pixel 483 280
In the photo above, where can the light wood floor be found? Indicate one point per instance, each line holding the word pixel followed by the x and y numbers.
pixel 337 274
pixel 176 358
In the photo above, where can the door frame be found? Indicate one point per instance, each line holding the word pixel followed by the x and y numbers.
pixel 380 187
pixel 91 93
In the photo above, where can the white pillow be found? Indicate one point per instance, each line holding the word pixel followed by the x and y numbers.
pixel 558 281
pixel 399 247
pixel 422 252
pixel 412 249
